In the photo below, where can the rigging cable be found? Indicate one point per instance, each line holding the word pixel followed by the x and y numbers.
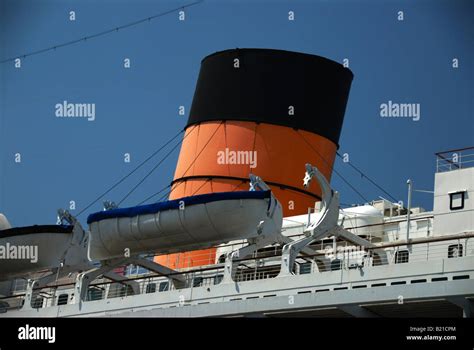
pixel 332 169
pixel 197 156
pixel 202 185
pixel 153 169
pixel 189 167
pixel 155 194
pixel 130 173
pixel 105 32
pixel 368 178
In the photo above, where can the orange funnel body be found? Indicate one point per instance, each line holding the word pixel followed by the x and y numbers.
pixel 269 116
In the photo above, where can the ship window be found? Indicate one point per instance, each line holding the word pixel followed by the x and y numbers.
pixel 398 283
pixel 218 279
pixel 38 303
pixel 94 294
pixel 305 268
pixel 151 288
pixel 62 299
pixel 125 290
pixel 376 260
pixel 401 257
pixel 456 200
pixel 461 277
pixel 336 264
pixel 163 286
pixel 221 259
pixel 197 282
pixel 455 251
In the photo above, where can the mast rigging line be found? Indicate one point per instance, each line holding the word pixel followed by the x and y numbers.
pixel 131 172
pixel 202 185
pixel 154 168
pixel 105 32
pixel 332 168
pixel 368 178
pixel 175 184
pixel 163 196
pixel 149 173
pixel 200 152
pixel 156 194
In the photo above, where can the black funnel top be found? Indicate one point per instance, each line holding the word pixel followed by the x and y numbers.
pixel 266 84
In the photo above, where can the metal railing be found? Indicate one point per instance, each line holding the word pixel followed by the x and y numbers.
pixel 258 268
pixel 454 159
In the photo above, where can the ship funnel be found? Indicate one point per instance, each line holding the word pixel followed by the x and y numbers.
pixel 265 112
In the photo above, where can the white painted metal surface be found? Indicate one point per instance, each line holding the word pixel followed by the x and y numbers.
pixel 4 224
pixel 196 227
pixel 446 219
pixel 41 251
pixel 438 269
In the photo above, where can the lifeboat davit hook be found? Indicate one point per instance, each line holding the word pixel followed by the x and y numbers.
pixel 324 225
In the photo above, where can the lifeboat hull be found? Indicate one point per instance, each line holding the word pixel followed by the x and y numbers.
pixel 189 223
pixel 29 249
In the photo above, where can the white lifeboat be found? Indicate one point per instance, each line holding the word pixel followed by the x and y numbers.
pixel 184 224
pixel 28 249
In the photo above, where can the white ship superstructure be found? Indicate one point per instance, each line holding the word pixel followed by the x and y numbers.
pixel 370 260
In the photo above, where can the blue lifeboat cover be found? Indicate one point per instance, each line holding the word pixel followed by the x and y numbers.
pixel 174 204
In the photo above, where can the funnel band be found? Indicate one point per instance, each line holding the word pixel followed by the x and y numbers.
pixel 244 179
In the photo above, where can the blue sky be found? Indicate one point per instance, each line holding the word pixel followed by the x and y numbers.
pixel 406 61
